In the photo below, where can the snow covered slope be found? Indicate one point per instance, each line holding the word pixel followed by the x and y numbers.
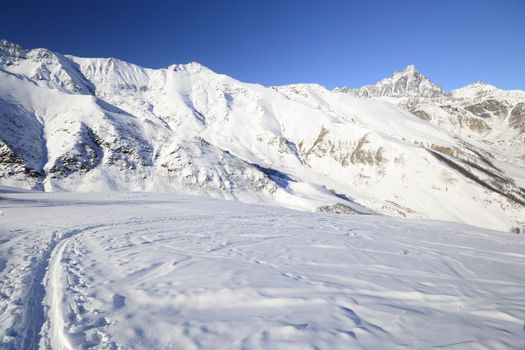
pixel 158 271
pixel 82 124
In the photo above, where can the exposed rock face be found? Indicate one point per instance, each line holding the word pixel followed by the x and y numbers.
pixel 80 124
pixel 82 157
pixel 489 108
pixel 11 165
pixel 338 209
pixel 421 114
pixel 517 117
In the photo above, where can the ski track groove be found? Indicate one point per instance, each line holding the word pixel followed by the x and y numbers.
pixel 56 336
pixel 34 317
pixel 37 315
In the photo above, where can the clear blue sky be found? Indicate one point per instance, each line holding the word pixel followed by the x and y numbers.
pixel 333 43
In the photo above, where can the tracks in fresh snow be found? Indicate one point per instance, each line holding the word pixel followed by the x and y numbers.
pixel 45 320
pixel 42 322
pixel 34 313
pixel 56 337
pixel 33 316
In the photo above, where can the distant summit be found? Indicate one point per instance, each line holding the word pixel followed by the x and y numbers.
pixel 406 83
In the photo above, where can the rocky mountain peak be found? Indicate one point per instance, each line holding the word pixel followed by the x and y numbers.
pixel 408 82
pixel 477 88
pixel 190 67
pixel 10 51
pixel 410 69
pixel 7 45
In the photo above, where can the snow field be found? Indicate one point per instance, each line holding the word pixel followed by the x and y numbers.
pixel 143 271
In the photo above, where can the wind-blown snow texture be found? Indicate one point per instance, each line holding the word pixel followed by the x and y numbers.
pixel 158 271
pixel 401 147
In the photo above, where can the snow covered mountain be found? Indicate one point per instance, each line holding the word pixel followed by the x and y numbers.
pixel 96 124
pixel 478 111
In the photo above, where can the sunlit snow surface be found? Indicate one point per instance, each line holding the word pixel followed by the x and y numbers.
pixel 157 271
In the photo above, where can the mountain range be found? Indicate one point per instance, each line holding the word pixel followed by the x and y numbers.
pixel 402 147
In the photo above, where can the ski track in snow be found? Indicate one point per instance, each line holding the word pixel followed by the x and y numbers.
pixel 57 338
pixel 146 271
